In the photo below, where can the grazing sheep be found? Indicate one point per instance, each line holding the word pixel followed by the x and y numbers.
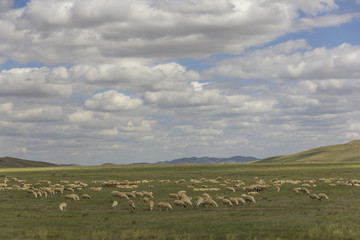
pixel 73 197
pixel 96 189
pixel 130 195
pixel 164 205
pixel 277 188
pixel 230 189
pixel 227 202
pixel 35 194
pixel 131 204
pixel 296 190
pixel 146 200
pixel 314 196
pixel 323 196
pixel 69 189
pixel 151 205
pixel 173 195
pixel 234 201
pixel 241 200
pixel 139 194
pixel 186 200
pixel 200 201
pixel 123 195
pixel 304 190
pixel 205 195
pixel 180 203
pixel 114 204
pixel 248 198
pixel 210 202
pixel 148 194
pixel 85 196
pixel 62 206
pixel 115 193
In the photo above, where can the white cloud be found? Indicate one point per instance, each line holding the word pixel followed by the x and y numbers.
pixel 112 101
pixel 295 61
pixel 5 5
pixel 6 108
pixel 137 74
pixel 185 98
pixel 72 31
pixel 40 114
pixel 111 82
pixel 35 82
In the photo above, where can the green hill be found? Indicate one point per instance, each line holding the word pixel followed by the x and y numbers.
pixel 348 152
pixel 9 162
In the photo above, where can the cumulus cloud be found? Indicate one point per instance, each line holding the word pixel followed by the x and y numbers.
pixel 292 60
pixel 35 82
pixel 112 101
pixel 76 31
pixel 114 78
pixel 136 74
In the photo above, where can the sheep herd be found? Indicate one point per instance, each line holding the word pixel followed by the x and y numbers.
pixel 227 192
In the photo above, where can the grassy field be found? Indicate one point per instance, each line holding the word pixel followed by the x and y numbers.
pixel 347 152
pixel 276 215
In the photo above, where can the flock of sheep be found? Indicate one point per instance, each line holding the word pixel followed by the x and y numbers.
pixel 238 192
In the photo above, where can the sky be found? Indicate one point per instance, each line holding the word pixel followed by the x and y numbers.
pixel 107 81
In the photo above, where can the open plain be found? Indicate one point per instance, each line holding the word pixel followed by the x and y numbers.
pixel 279 212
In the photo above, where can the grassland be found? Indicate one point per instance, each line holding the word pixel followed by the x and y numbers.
pixel 10 162
pixel 348 152
pixel 277 215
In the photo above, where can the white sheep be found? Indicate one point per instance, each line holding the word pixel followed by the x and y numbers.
pixel 147 194
pixel 323 196
pixel 241 200
pixel 173 195
pixel 200 201
pixel 210 202
pixel 234 201
pixel 139 194
pixel 230 189
pixel 85 196
pixel 62 206
pixel 304 190
pixel 314 196
pixel 296 190
pixel 130 195
pixel 164 205
pixel 180 203
pixel 248 198
pixel 146 200
pixel 227 202
pixel 123 195
pixel 186 200
pixel 151 205
pixel 114 204
pixel 73 197
pixel 131 204
pixel 96 189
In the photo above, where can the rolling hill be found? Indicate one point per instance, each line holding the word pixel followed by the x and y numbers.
pixel 10 162
pixel 348 152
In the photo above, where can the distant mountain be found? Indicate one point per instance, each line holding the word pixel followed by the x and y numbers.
pixel 10 162
pixel 348 152
pixel 205 160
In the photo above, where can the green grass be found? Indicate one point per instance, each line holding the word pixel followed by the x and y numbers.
pixel 348 152
pixel 282 215
pixel 10 162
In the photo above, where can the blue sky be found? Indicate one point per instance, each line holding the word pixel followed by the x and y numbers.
pixel 98 81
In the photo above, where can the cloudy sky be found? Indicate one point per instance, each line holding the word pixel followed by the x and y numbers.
pixel 96 81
